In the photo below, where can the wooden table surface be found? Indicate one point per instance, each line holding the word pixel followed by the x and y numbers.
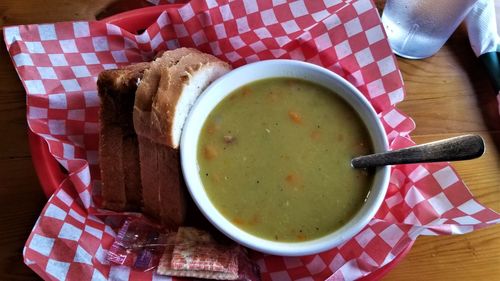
pixel 447 95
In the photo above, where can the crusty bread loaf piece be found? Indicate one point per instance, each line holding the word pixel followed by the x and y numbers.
pixel 164 97
pixel 118 148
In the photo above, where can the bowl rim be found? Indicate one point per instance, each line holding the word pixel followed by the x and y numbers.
pixel 190 169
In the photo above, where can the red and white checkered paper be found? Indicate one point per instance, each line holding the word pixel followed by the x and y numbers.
pixel 59 63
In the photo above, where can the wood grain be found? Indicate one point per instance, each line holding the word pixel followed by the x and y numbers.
pixel 447 95
pixel 21 197
pixel 33 11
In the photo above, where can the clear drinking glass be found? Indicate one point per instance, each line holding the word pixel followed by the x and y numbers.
pixel 419 28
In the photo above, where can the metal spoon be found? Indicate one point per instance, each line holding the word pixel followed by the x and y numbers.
pixel 453 149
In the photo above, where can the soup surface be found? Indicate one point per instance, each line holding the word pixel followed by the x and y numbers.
pixel 274 158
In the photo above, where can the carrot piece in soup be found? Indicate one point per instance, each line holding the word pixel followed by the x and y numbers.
pixel 238 221
pixel 295 117
pixel 292 178
pixel 209 152
pixel 301 237
pixel 212 128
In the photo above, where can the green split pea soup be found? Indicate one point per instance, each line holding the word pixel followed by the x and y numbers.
pixel 274 158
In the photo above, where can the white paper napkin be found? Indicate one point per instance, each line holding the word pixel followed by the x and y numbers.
pixel 482 27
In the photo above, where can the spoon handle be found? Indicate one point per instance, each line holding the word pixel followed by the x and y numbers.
pixel 453 149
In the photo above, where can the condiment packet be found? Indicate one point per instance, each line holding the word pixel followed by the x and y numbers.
pixel 189 252
pixel 196 254
pixel 138 244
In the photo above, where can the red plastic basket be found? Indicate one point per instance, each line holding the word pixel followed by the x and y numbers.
pixel 51 174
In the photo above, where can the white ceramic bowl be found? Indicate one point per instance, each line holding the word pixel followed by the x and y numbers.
pixel 218 90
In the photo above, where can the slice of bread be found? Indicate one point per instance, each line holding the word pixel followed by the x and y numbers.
pixel 164 98
pixel 143 110
pixel 150 152
pixel 118 150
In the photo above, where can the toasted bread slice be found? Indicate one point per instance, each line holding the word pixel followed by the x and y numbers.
pixel 118 149
pixel 164 98
pixel 150 152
